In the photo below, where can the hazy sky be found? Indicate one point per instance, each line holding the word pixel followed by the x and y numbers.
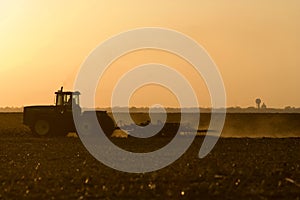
pixel 255 44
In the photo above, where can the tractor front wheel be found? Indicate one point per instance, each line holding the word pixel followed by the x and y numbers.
pixel 41 127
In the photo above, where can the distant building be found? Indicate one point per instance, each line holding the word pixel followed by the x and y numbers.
pixel 258 101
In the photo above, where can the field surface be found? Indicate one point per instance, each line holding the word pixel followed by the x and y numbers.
pixel 61 168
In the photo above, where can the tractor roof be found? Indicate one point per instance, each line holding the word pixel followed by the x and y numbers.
pixel 67 92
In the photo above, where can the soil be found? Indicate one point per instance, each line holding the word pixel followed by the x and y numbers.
pixel 61 168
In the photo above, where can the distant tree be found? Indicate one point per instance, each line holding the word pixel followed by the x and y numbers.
pixel 251 109
pixel 289 108
pixel 263 106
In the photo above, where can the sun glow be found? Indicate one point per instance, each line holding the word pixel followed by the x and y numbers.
pixel 255 45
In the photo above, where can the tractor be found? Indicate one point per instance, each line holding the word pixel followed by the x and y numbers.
pixel 58 119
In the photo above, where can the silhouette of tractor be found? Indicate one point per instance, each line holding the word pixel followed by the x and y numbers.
pixel 58 119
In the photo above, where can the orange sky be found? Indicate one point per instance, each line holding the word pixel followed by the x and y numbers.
pixel 255 44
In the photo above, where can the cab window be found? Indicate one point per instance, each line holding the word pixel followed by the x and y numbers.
pixel 59 100
pixel 76 99
pixel 68 99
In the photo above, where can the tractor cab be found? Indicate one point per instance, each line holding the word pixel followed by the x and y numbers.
pixel 65 100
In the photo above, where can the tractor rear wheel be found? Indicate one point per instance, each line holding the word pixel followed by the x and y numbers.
pixel 107 124
pixel 88 127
